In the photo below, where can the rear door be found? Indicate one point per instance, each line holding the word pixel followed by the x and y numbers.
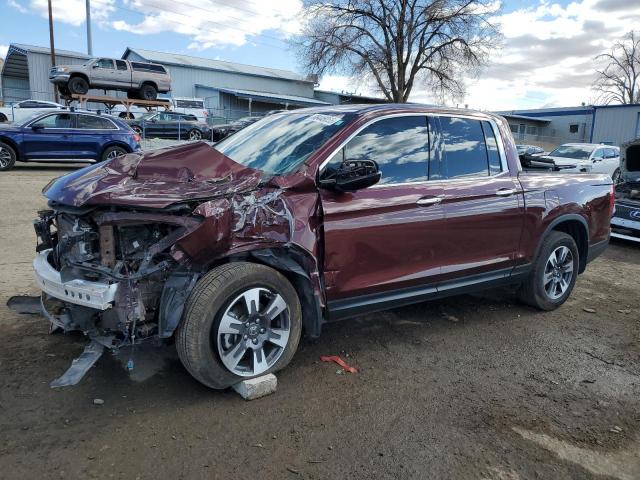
pixel 483 203
pixel 385 238
pixel 92 132
pixel 50 137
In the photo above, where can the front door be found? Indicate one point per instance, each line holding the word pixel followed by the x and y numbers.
pixel 50 137
pixel 103 73
pixel 384 239
pixel 483 203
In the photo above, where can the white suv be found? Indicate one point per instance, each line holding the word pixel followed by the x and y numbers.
pixel 582 157
pixel 20 111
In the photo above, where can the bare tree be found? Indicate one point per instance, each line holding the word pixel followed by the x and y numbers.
pixel 399 42
pixel 619 81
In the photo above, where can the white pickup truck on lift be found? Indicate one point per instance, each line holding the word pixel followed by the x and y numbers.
pixel 25 109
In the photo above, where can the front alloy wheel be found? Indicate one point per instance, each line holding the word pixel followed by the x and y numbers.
pixel 253 332
pixel 558 272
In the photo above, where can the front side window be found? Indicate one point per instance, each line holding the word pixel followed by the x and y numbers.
pixel 105 63
pixel 399 145
pixel 610 153
pixel 464 146
pixel 89 122
pixel 60 120
pixel 599 153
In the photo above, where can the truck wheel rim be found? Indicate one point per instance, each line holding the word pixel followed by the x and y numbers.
pixel 253 332
pixel 5 157
pixel 558 272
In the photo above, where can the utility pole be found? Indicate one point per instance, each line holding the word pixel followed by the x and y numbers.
pixel 52 46
pixel 89 40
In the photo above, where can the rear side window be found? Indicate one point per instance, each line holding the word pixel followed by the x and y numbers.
pixel 470 148
pixel 495 165
pixel 399 145
pixel 148 67
pixel 121 65
pixel 189 104
pixel 88 122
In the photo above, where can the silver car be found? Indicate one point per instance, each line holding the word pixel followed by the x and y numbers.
pixel 139 79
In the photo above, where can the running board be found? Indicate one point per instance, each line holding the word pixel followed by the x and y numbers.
pixel 79 366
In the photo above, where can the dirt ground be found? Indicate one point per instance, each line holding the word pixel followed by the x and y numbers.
pixel 473 387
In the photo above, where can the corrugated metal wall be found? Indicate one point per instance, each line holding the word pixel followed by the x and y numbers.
pixel 39 65
pixel 616 125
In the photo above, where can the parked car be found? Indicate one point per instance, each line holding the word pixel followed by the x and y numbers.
pixel 180 126
pixel 66 137
pixel 626 219
pixel 223 130
pixel 25 109
pixel 526 152
pixel 582 157
pixel 139 79
pixel 191 106
pixel 299 219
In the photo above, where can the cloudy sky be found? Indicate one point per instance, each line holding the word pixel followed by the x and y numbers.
pixel 546 58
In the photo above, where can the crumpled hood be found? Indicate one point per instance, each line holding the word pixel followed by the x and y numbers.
pixel 155 179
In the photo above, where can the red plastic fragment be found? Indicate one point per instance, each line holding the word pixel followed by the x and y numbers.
pixel 339 361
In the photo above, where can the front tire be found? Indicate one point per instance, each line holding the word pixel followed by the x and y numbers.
pixel 554 273
pixel 113 152
pixel 78 86
pixel 242 320
pixel 8 157
pixel 3 118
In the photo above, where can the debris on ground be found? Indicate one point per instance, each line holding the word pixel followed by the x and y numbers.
pixel 98 401
pixel 339 361
pixel 254 388
pixel 24 304
pixel 589 310
pixel 616 429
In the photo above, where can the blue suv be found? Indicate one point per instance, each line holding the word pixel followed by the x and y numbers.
pixel 66 137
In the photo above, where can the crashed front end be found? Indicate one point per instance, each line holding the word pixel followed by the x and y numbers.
pixel 625 223
pixel 105 272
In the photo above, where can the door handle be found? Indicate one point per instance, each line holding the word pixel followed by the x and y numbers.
pixel 505 192
pixel 429 201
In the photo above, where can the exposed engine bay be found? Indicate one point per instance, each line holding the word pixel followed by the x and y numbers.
pixel 127 253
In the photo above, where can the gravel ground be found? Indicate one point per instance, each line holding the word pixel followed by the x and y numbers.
pixel 475 387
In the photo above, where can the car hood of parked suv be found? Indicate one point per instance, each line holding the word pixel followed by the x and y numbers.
pixel 155 179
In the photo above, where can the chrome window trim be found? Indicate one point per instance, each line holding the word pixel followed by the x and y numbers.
pixel 492 122
pixel 74 128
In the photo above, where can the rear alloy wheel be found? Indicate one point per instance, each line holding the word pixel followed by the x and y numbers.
pixel 242 320
pixel 113 152
pixel 7 157
pixel 78 85
pixel 148 92
pixel 554 273
pixel 195 134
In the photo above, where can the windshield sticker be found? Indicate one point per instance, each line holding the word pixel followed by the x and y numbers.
pixel 325 119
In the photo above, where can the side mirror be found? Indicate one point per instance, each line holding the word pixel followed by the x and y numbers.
pixel 352 175
pixel 95 65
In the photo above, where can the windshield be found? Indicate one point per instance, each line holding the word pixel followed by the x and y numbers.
pixel 572 151
pixel 279 144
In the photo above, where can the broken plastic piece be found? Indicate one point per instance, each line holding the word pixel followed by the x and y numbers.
pixel 339 361
pixel 79 366
pixel 130 365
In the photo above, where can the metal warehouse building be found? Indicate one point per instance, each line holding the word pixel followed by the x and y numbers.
pixel 230 90
pixel 549 127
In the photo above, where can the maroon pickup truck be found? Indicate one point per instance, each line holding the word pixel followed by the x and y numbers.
pixel 303 218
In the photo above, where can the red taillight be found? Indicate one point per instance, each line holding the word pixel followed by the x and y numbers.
pixel 206 114
pixel 612 199
pixel 136 137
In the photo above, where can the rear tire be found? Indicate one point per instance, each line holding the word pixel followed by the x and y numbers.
pixel 3 118
pixel 554 273
pixel 113 152
pixel 218 326
pixel 195 135
pixel 8 157
pixel 148 92
pixel 78 86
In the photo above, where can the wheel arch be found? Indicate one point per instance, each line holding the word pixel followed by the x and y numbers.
pixel 12 143
pixel 149 82
pixel 81 75
pixel 113 143
pixel 574 225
